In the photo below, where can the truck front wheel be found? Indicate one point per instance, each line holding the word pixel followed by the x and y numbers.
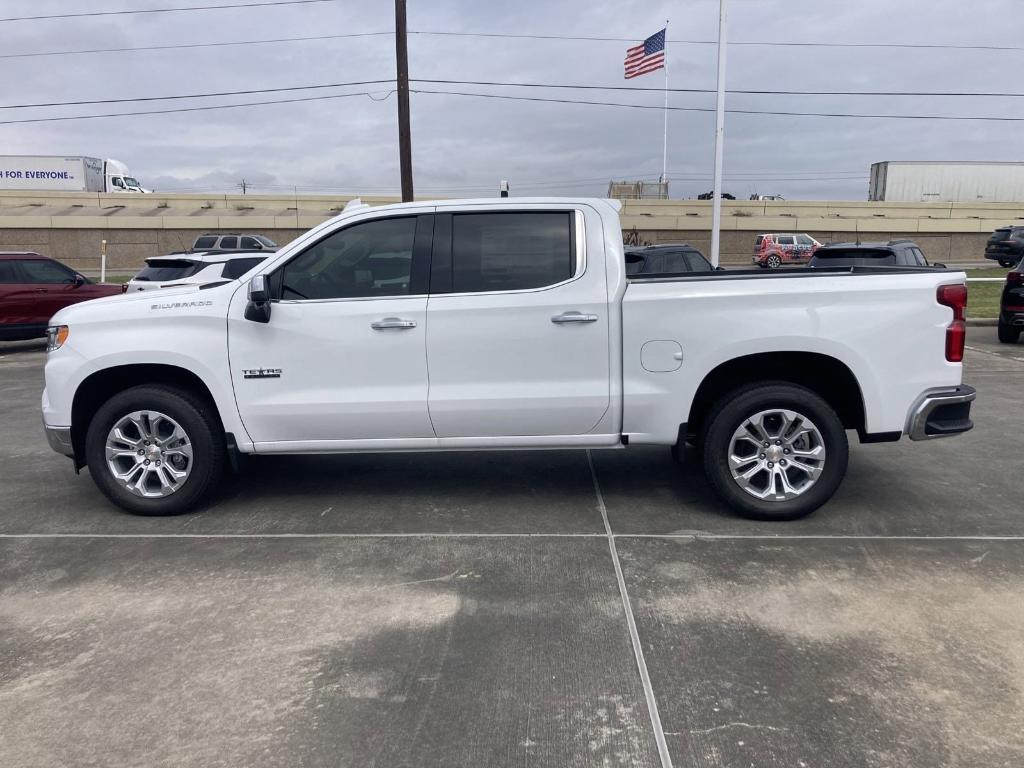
pixel 155 450
pixel 774 451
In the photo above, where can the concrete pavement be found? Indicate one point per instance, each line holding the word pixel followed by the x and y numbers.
pixel 463 610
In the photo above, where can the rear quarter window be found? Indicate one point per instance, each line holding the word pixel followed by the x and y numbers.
pixel 204 243
pixel 165 270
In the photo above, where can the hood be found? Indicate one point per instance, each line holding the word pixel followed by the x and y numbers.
pixel 125 306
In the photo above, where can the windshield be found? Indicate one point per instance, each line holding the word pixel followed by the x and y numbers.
pixel 129 181
pixel 266 241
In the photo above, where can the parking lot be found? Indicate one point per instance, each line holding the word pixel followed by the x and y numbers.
pixel 464 609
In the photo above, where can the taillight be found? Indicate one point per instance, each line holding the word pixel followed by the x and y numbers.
pixel 1015 278
pixel 954 297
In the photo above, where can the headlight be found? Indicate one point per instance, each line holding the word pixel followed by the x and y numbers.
pixel 56 335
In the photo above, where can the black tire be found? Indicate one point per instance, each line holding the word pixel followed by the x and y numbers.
pixel 1008 334
pixel 196 417
pixel 1007 264
pixel 773 262
pixel 728 415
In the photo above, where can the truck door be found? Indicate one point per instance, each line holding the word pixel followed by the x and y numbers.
pixel 517 324
pixel 343 356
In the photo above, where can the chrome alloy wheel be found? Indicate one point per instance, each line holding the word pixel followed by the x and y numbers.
pixel 149 453
pixel 776 455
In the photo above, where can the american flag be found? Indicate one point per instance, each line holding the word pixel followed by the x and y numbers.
pixel 646 57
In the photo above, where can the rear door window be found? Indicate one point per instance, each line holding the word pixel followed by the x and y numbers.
pixel 854 257
pixel 784 240
pixel 229 242
pixel 164 270
pixel 511 250
pixel 9 273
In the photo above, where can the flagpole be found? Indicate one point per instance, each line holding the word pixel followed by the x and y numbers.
pixel 716 205
pixel 664 146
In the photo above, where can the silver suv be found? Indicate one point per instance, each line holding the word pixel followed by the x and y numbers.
pixel 232 241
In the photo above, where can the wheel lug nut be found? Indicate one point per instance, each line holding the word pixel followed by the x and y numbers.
pixel 781 463
pixel 762 455
pixel 147 462
pixel 778 442
pixel 785 451
pixel 770 465
pixel 141 451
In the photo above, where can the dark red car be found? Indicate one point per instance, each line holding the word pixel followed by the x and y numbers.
pixel 34 287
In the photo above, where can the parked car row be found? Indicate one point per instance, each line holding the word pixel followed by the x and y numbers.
pixel 1011 306
pixel 34 287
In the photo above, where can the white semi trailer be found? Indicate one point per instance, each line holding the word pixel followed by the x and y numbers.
pixel 939 182
pixel 65 174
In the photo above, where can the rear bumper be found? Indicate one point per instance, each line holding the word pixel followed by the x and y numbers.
pixel 942 414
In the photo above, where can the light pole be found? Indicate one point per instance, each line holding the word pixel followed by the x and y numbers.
pixel 716 202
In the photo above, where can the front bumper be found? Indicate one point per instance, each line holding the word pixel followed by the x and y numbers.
pixel 942 414
pixel 59 439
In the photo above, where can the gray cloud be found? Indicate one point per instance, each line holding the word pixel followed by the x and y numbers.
pixel 464 146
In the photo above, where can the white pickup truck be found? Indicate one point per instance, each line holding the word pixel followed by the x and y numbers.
pixel 504 324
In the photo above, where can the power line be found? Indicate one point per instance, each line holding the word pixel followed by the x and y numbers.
pixel 732 111
pixel 33 54
pixel 311 38
pixel 506 97
pixel 249 92
pixel 316 86
pixel 190 109
pixel 759 43
pixel 86 14
pixel 743 91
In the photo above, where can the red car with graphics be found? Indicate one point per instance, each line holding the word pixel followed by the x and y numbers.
pixel 33 288
pixel 773 250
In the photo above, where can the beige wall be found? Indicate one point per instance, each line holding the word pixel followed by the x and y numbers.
pixel 70 226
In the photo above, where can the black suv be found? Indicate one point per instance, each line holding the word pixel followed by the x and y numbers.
pixel 232 242
pixel 1006 246
pixel 665 260
pixel 1011 307
pixel 895 253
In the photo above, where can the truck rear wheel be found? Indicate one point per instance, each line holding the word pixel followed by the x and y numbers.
pixel 773 262
pixel 155 450
pixel 774 451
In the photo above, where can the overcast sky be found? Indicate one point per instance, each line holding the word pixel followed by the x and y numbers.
pixel 464 145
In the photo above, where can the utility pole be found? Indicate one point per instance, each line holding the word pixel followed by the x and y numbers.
pixel 244 185
pixel 716 196
pixel 404 135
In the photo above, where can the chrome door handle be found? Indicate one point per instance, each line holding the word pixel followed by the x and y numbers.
pixel 392 322
pixel 574 317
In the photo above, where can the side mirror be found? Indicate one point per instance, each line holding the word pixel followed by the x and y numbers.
pixel 79 281
pixel 939 265
pixel 258 308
